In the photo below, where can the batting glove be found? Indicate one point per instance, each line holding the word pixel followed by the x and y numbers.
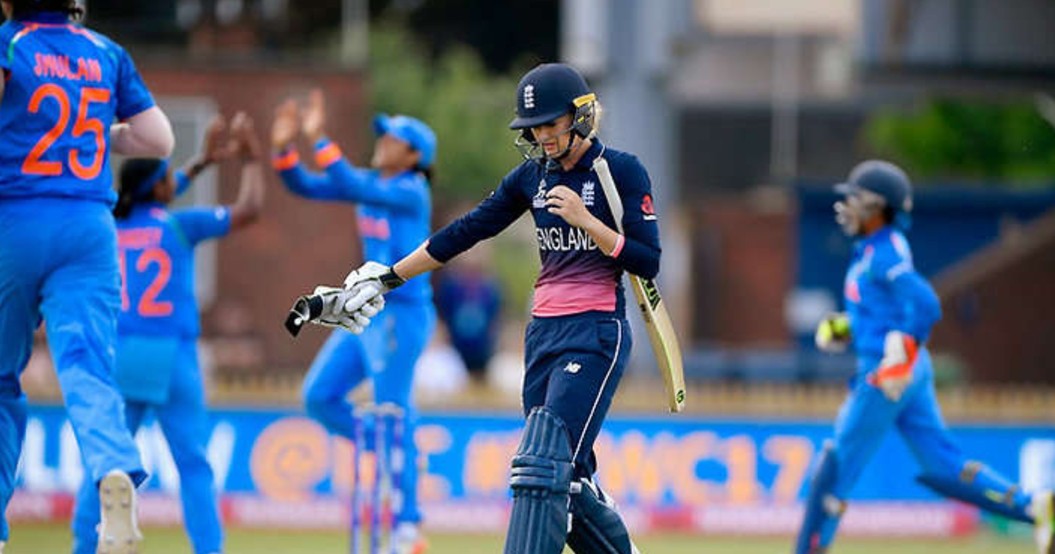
pixel 895 369
pixel 833 333
pixel 335 312
pixel 369 281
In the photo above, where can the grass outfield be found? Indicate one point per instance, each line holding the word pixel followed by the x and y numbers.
pixel 48 539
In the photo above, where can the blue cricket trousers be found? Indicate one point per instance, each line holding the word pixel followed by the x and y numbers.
pixel 185 423
pixel 58 261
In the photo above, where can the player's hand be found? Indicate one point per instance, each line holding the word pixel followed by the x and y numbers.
pixel 372 279
pixel 566 203
pixel 833 333
pixel 895 369
pixel 314 119
pixel 214 147
pixel 286 127
pixel 342 309
pixel 244 140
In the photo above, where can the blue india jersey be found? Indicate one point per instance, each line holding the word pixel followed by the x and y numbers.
pixel 884 292
pixel 156 256
pixel 65 85
pixel 393 213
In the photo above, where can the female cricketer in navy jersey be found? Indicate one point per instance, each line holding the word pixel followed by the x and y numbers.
pixel 63 93
pixel 890 310
pixel 578 339
pixel 158 328
pixel 394 209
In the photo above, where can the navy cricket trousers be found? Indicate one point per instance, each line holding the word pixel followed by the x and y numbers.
pixel 574 364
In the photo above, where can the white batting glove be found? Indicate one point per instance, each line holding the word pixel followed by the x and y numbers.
pixel 334 313
pixel 367 283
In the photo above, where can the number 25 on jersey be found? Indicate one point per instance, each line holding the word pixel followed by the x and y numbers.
pixel 52 93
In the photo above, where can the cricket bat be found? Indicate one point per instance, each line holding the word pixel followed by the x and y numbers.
pixel 653 310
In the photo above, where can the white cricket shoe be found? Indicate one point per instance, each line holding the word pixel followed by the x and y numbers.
pixel 408 539
pixel 118 525
pixel 1043 509
pixel 2 543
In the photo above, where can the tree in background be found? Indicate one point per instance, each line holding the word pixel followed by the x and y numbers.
pixel 470 110
pixel 968 139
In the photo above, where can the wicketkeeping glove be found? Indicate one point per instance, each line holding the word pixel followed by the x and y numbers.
pixel 833 333
pixel 894 374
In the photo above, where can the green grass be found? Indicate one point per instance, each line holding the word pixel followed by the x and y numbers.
pixel 55 539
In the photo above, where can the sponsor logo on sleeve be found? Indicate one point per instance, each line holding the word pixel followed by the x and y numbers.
pixel 648 209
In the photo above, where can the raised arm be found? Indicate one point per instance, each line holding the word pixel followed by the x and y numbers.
pixel 214 149
pixel 361 185
pixel 286 159
pixel 250 203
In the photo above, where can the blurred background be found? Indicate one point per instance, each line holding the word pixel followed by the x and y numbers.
pixel 745 113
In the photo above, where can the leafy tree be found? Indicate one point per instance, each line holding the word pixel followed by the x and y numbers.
pixel 469 109
pixel 968 139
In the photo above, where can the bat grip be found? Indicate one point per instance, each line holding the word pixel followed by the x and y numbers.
pixel 307 308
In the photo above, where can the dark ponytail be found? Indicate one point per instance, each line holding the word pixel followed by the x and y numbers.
pixel 22 8
pixel 428 172
pixel 137 180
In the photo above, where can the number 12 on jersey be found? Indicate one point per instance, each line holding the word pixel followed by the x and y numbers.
pixel 148 304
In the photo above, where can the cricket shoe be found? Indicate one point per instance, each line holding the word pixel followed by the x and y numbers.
pixel 409 540
pixel 118 526
pixel 2 543
pixel 1043 509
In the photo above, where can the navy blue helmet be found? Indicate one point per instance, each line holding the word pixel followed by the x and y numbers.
pixel 548 92
pixel 883 179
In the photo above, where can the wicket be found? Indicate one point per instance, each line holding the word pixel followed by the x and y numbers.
pixel 389 457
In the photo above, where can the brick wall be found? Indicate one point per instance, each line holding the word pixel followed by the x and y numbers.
pixel 999 308
pixel 298 243
pixel 743 256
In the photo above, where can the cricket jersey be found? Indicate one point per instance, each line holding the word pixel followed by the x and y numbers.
pixel 156 257
pixel 65 85
pixel 576 276
pixel 393 213
pixel 884 292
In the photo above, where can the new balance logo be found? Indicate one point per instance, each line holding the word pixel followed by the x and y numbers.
pixel 529 97
pixel 572 367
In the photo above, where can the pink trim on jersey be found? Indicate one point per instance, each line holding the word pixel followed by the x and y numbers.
pixel 564 298
pixel 619 243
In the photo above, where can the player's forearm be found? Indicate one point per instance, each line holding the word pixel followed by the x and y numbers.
pixel 195 166
pixel 146 134
pixel 250 203
pixel 417 262
pixel 606 238
pixel 360 185
pixel 302 182
pixel 637 257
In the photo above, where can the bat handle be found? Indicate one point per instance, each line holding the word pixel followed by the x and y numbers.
pixel 305 309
